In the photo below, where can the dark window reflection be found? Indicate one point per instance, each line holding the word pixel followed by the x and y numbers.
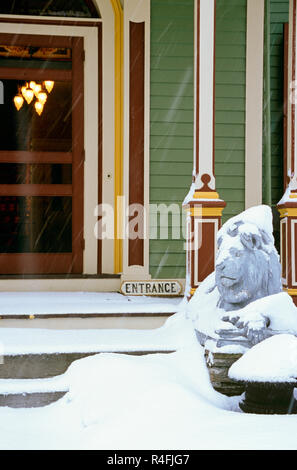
pixel 70 8
pixel 35 224
pixel 35 173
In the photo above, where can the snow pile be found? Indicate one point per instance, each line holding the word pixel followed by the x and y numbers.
pixel 272 360
pixel 292 186
pixel 202 308
pixel 142 401
pixel 278 308
pixel 158 401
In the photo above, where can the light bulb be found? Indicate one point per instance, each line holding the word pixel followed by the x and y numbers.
pixel 29 95
pixel 37 89
pixel 49 85
pixel 18 101
pixel 38 107
pixel 23 90
pixel 42 97
pixel 32 85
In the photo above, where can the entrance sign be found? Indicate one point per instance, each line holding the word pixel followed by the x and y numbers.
pixel 158 287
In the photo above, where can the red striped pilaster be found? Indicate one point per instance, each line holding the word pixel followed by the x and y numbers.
pixel 136 137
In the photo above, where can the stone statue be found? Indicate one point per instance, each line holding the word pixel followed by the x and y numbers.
pixel 236 304
pixel 246 266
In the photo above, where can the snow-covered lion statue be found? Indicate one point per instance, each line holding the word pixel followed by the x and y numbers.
pixel 242 302
pixel 247 266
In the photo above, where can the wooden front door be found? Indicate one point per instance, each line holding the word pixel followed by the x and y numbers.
pixel 41 155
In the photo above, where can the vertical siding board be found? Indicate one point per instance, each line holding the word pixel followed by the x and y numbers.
pixel 279 16
pixel 230 103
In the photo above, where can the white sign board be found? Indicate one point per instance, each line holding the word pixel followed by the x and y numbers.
pixel 159 287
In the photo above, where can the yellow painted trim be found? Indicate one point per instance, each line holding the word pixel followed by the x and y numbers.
pixel 205 195
pixel 288 212
pixel 118 156
pixel 206 211
pixel 282 212
pixel 292 291
pixel 195 211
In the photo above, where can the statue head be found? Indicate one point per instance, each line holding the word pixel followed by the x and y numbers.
pixel 247 263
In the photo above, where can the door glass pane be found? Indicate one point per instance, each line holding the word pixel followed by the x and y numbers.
pixel 70 8
pixel 35 173
pixel 25 129
pixel 35 224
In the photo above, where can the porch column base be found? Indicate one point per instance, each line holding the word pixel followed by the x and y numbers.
pixel 204 214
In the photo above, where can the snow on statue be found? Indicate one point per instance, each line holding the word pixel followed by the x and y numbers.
pixel 242 302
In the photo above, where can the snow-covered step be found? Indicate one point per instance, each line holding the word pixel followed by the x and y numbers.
pixel 39 353
pixel 28 393
pixel 63 310
pixel 33 362
pixel 43 304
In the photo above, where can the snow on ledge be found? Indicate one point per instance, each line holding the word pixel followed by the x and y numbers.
pixel 55 303
pixel 20 341
pixel 48 385
pixel 272 360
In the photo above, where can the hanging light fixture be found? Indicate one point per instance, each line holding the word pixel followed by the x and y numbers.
pixel 27 92
pixel 38 107
pixel 18 101
pixel 49 85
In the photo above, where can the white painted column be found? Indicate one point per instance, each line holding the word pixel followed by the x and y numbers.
pixel 254 102
pixel 292 162
pixel 204 92
pixel 108 123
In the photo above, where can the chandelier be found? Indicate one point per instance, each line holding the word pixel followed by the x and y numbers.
pixel 33 91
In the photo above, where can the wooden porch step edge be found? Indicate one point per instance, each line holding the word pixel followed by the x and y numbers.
pixel 32 392
pixel 30 400
pixel 26 316
pixel 48 366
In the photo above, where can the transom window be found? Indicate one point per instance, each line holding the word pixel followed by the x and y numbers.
pixel 66 8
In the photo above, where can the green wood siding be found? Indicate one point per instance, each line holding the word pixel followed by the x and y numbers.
pixel 171 122
pixel 279 14
pixel 230 104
